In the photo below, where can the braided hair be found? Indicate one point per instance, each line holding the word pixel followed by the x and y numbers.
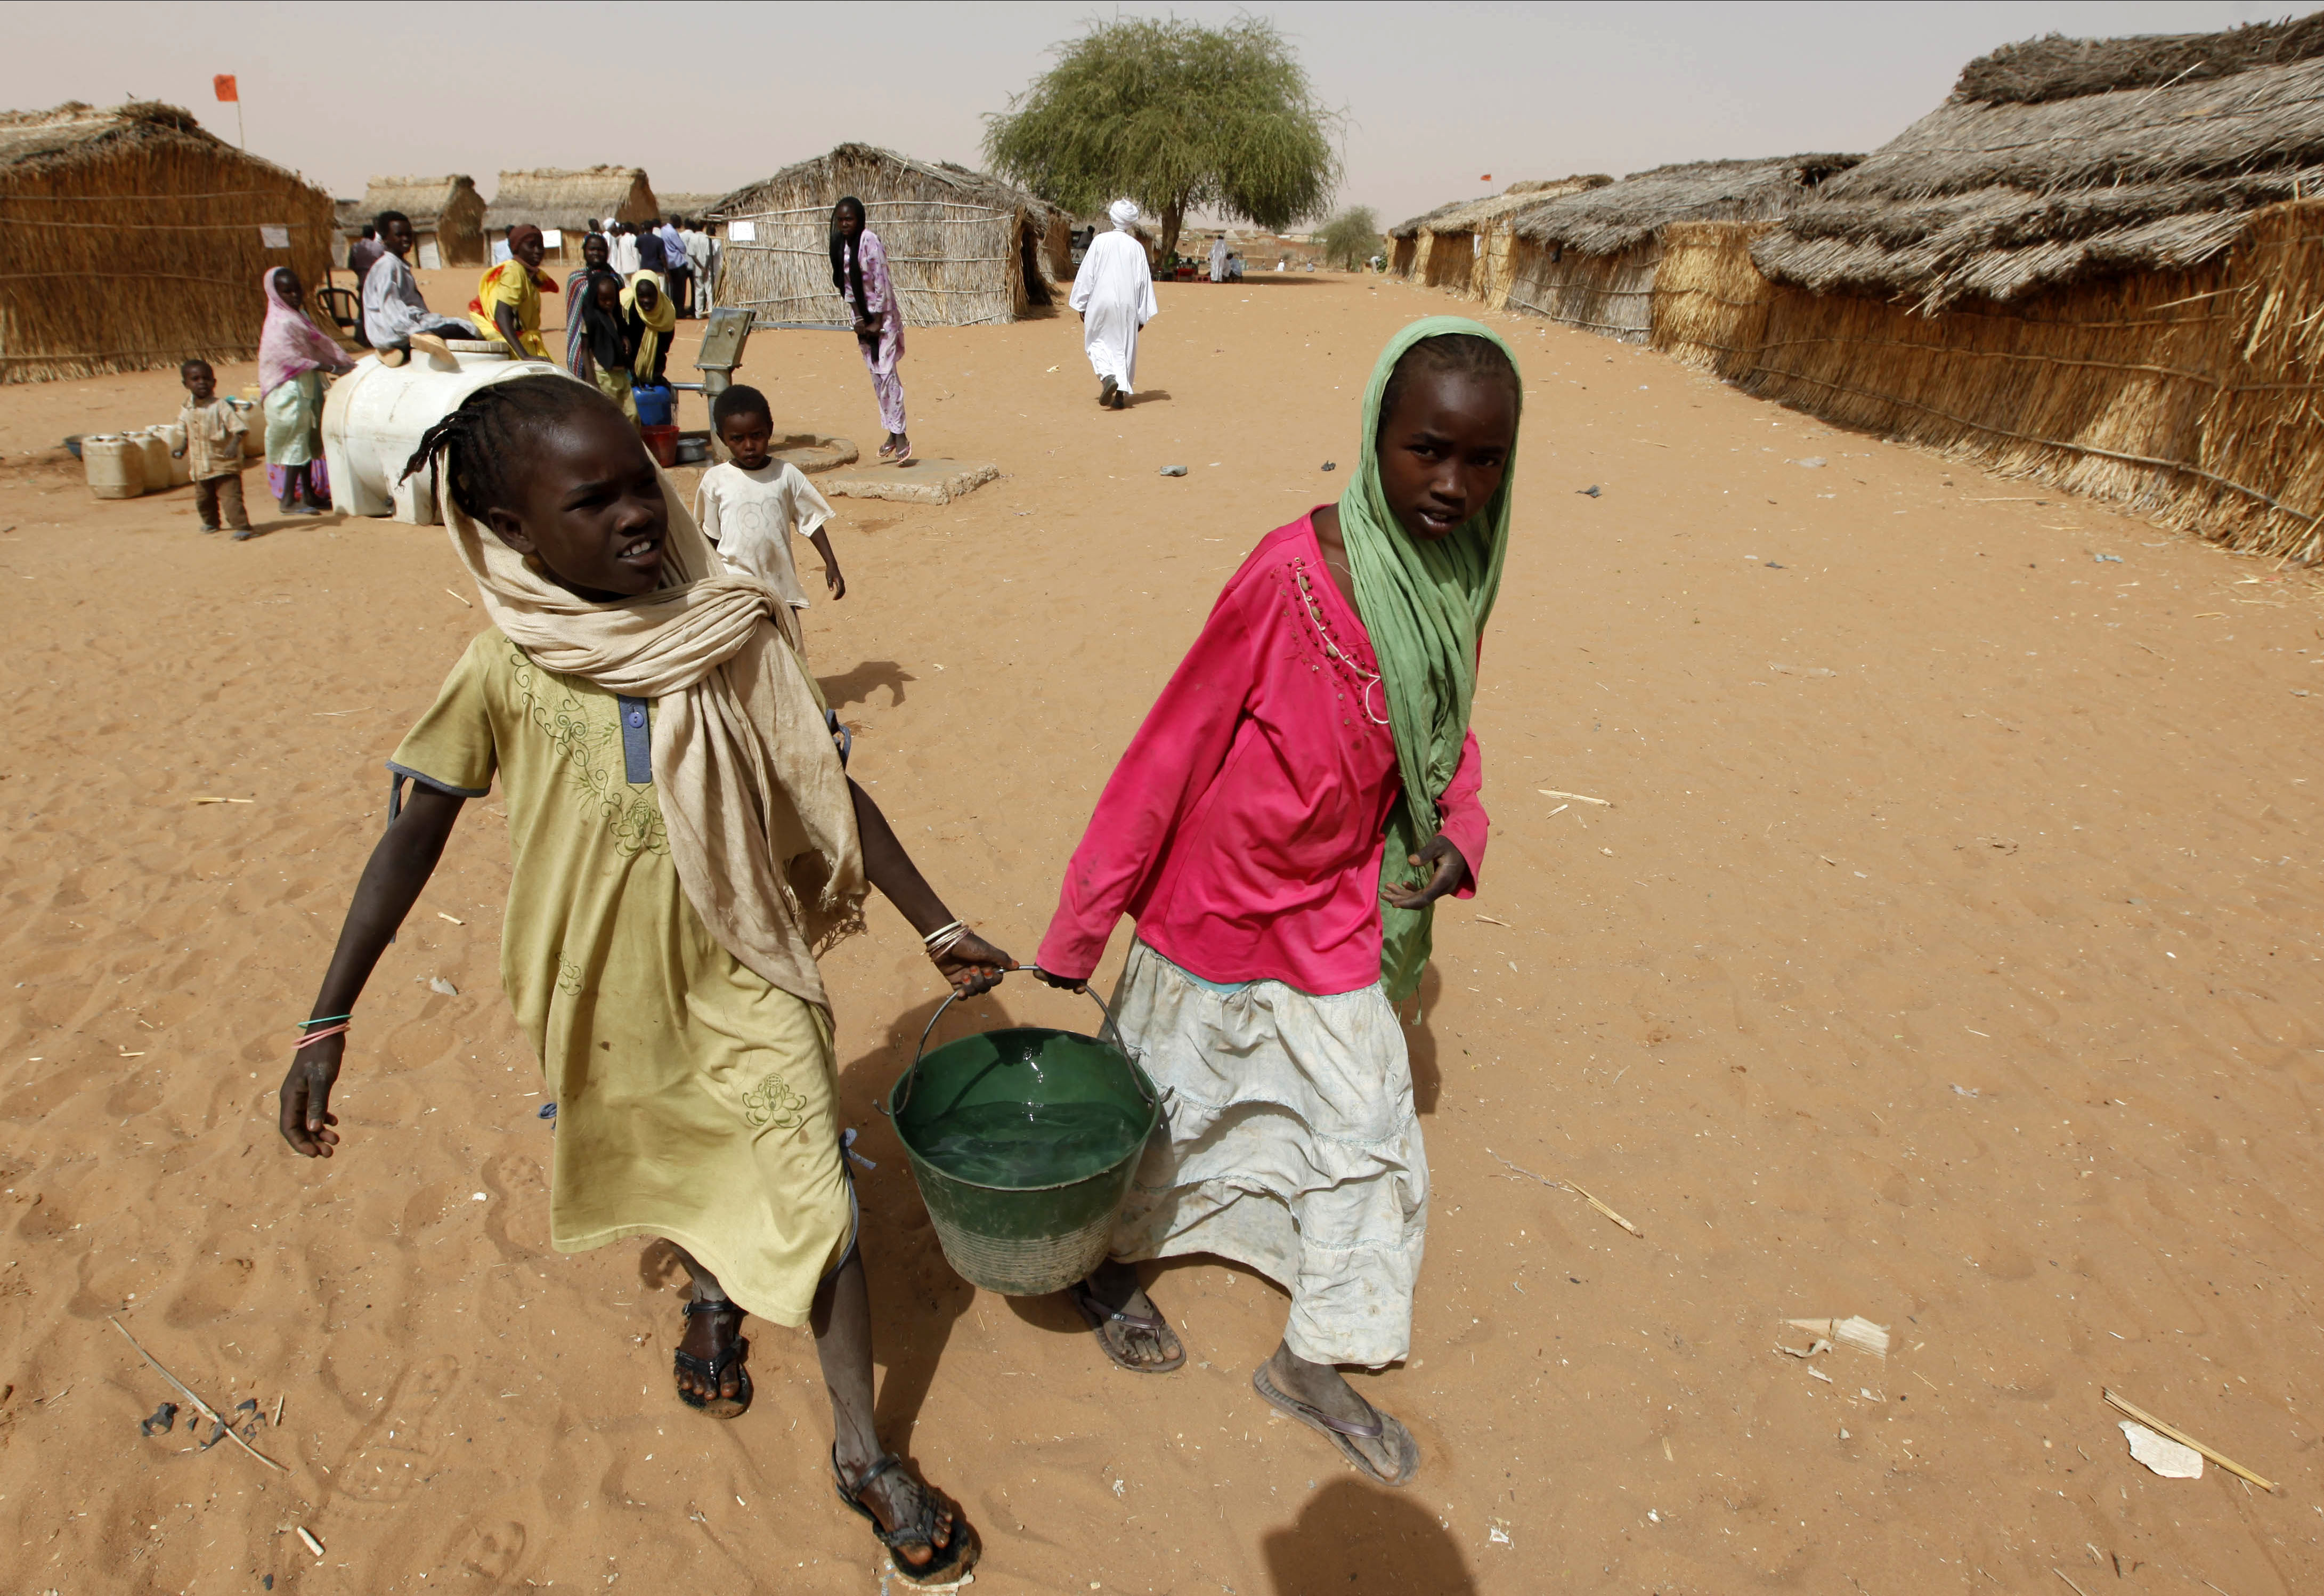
pixel 485 437
pixel 1464 354
pixel 847 257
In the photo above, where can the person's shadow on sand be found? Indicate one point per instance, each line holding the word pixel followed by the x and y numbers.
pixel 1352 1536
pixel 854 687
pixel 916 1296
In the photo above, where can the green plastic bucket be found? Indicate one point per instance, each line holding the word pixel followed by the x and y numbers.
pixel 1023 1143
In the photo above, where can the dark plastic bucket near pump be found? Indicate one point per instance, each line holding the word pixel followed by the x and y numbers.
pixel 1041 1235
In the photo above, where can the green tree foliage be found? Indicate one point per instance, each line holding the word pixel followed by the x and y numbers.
pixel 1176 117
pixel 1351 238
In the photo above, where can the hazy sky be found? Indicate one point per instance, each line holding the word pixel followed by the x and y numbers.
pixel 710 96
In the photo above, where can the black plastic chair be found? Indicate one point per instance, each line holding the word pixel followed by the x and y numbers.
pixel 346 311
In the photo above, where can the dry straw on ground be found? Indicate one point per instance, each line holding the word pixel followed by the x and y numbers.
pixel 131 239
pixel 964 249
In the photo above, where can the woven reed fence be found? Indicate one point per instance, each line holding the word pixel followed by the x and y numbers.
pixel 1446 261
pixel 1609 294
pixel 147 257
pixel 953 264
pixel 1710 301
pixel 2189 396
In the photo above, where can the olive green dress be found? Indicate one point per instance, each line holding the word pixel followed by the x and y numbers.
pixel 694 1100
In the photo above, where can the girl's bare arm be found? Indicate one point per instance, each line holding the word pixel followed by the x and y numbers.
pixel 400 867
pixel 971 963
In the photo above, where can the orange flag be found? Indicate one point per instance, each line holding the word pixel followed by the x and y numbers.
pixel 226 91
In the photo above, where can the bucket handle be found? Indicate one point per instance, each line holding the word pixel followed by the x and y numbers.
pixel 912 1075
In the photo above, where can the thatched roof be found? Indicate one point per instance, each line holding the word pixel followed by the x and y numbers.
pixel 2056 68
pixel 1463 214
pixel 1621 217
pixel 571 199
pixel 2059 160
pixel 686 204
pixel 876 174
pixel 140 194
pixel 423 200
pixel 33 140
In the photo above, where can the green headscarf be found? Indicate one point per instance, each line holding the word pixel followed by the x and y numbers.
pixel 1424 605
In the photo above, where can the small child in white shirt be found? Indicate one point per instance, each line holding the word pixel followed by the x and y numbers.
pixel 751 506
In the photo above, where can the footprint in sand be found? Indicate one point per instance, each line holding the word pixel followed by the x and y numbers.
pixel 397 1451
pixel 515 1183
pixel 488 1551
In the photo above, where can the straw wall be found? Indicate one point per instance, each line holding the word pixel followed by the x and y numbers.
pixel 2190 396
pixel 954 265
pixel 1446 260
pixel 146 254
pixel 1403 256
pixel 1609 294
pixel 1710 301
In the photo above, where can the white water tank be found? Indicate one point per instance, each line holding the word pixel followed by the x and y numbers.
pixel 374 417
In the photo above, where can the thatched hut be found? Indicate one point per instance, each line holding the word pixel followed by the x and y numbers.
pixel 134 240
pixel 691 206
pixel 1588 259
pixel 964 249
pixel 1466 247
pixel 2096 265
pixel 568 201
pixel 447 213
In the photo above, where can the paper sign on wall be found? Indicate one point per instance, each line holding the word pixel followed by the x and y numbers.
pixel 742 232
pixel 552 238
pixel 271 236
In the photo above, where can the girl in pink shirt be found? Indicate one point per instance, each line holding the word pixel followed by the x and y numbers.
pixel 1302 791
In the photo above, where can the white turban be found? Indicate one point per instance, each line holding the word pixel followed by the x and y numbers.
pixel 1123 212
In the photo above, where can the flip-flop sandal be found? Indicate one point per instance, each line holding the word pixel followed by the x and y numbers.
pixel 1383 1426
pixel 903 452
pixel 1102 1318
pixel 712 1370
pixel 946 1565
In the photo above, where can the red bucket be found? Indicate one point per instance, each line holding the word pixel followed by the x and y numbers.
pixel 661 442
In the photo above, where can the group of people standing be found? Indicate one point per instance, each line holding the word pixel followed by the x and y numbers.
pixel 618 327
pixel 678 252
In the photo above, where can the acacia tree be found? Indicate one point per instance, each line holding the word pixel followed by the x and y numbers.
pixel 1176 117
pixel 1351 238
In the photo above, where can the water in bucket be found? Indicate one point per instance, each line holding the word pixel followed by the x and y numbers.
pixel 1029 1137
pixel 1023 1143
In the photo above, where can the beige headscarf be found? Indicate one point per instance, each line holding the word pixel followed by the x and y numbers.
pixel 761 824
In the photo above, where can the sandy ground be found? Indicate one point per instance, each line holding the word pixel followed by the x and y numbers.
pixel 1948 956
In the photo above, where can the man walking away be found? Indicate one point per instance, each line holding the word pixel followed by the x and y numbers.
pixel 1114 292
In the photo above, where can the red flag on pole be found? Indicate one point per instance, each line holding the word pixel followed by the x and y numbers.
pixel 226 91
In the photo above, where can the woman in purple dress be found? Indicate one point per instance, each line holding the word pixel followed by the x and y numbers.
pixel 859 270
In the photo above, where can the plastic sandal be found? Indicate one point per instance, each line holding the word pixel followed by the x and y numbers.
pixel 712 1370
pixel 1100 1315
pixel 946 1565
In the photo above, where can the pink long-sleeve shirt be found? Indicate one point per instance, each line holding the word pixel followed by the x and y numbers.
pixel 1242 829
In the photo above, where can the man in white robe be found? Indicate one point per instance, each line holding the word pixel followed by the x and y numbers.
pixel 1219 258
pixel 1114 292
